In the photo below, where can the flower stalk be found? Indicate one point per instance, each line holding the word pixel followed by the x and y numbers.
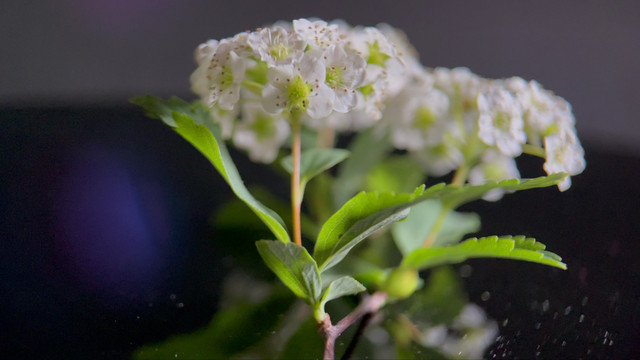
pixel 371 304
pixel 296 193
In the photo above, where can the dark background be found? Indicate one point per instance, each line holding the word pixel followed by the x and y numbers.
pixel 103 227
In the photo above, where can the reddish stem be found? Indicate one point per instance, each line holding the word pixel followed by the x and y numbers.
pixel 370 304
pixel 296 196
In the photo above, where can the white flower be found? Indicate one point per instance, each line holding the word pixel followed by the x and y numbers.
pixel 461 85
pixel 198 79
pixel 542 110
pixel 440 159
pixel 500 122
pixel 277 46
pixel 564 154
pixel 494 167
pixel 344 73
pixel 259 133
pixel 219 77
pixel 372 44
pixel 317 33
pixel 417 117
pixel 226 119
pixel 299 86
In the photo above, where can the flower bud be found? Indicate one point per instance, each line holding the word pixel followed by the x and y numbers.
pixel 401 283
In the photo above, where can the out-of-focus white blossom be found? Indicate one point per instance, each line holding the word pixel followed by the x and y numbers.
pixel 495 166
pixel 500 121
pixel 564 154
pixel 259 133
pixel 417 117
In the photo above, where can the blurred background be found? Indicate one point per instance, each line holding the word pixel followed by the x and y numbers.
pixel 104 237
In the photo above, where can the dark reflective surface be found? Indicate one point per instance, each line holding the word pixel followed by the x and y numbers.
pixel 105 244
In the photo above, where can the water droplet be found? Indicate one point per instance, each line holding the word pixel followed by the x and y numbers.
pixel 564 343
pixel 581 318
pixel 610 342
pixel 180 305
pixel 505 322
pixel 485 296
pixel 545 305
pixel 465 271
pixel 555 315
pixel 273 332
pixel 585 300
pixel 538 325
pixel 176 355
pixel 567 310
pixel 538 353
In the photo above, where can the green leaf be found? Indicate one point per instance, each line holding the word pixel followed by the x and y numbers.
pixel 357 219
pixel 411 233
pixel 315 161
pixel 506 247
pixel 397 173
pixel 367 149
pixel 367 212
pixel 294 266
pixel 343 286
pixel 194 123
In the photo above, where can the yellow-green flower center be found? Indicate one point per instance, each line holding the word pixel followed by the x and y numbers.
pixel 278 51
pixel 298 93
pixel 263 127
pixel 502 121
pixel 366 90
pixel 424 118
pixel 334 76
pixel 376 57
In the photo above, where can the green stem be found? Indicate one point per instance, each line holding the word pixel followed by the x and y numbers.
pixel 533 150
pixel 253 86
pixel 460 177
pixel 296 193
pixel 435 229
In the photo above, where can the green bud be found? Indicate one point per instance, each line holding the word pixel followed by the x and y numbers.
pixel 401 283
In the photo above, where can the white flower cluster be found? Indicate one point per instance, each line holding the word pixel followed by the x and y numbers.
pixel 449 118
pixel 343 78
pixel 309 70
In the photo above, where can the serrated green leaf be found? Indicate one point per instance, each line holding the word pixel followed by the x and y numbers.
pixel 397 173
pixel 314 161
pixel 367 212
pixel 343 286
pixel 411 233
pixel 367 149
pixel 294 266
pixel 505 247
pixel 193 122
